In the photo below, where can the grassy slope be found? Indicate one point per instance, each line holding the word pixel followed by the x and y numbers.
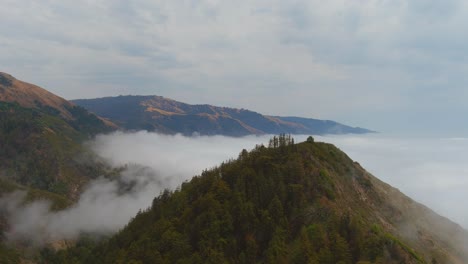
pixel 155 113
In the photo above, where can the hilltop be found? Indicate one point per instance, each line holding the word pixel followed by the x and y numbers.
pixel 288 203
pixel 32 96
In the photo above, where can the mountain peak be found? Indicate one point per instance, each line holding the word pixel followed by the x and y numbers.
pixel 6 79
pixel 31 96
pixel 288 203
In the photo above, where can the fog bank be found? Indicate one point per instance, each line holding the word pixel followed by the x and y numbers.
pixel 153 163
pixel 431 171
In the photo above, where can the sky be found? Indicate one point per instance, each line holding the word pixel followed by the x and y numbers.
pixel 395 66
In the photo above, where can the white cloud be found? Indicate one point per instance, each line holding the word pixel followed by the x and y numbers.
pixel 154 163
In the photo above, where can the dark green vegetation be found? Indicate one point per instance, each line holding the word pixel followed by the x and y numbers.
pixel 16 253
pixel 41 138
pixel 288 203
pixel 155 113
pixel 41 150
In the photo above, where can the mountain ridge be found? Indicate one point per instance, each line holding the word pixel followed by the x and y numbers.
pixel 309 199
pixel 32 96
pixel 157 113
pixel 165 115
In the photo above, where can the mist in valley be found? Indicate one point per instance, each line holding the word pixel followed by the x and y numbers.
pixel 432 171
pixel 152 162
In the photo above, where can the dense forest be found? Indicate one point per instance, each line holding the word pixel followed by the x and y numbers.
pixel 40 149
pixel 286 203
pixel 42 155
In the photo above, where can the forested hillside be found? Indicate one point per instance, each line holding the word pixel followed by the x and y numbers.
pixel 41 138
pixel 41 149
pixel 288 203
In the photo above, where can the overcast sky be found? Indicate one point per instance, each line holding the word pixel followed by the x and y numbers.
pixel 396 66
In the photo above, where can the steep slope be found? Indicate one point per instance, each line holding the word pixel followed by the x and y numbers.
pixel 156 113
pixel 31 96
pixel 41 136
pixel 304 203
pixel 41 152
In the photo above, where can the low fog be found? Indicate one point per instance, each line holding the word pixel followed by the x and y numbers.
pixel 431 171
pixel 153 163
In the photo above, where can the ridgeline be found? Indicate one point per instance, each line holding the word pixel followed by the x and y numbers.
pixel 286 203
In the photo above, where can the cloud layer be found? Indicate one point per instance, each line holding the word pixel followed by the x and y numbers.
pixel 430 170
pixel 387 65
pixel 153 163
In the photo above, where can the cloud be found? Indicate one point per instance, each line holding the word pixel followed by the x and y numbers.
pixel 432 171
pixel 103 208
pixel 152 162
